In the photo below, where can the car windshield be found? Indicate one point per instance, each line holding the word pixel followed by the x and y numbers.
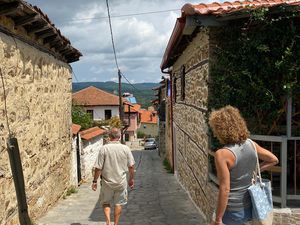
pixel 150 140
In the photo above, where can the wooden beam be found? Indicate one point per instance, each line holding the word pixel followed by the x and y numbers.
pixel 9 8
pixel 56 43
pixel 46 34
pixel 66 51
pixel 38 28
pixel 50 39
pixel 27 19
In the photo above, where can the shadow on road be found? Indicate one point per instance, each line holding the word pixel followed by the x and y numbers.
pixel 97 214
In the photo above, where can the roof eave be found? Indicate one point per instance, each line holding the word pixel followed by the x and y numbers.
pixel 174 40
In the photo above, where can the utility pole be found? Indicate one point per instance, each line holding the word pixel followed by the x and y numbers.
pixel 121 105
pixel 17 171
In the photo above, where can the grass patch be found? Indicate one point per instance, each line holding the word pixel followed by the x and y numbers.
pixel 167 166
pixel 71 190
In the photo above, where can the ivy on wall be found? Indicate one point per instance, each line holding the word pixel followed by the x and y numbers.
pixel 255 66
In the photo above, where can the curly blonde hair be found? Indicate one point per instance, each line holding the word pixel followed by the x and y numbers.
pixel 228 125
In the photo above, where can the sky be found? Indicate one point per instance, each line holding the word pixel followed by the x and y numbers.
pixel 140 40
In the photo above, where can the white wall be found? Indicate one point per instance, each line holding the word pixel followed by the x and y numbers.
pixel 99 111
pixel 88 156
pixel 73 177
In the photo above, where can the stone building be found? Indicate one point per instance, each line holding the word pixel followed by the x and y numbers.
pixel 149 122
pixel 35 68
pixel 163 105
pixel 188 59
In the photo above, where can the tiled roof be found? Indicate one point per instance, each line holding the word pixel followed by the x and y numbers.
pixel 215 10
pixel 92 96
pixel 148 116
pixel 91 133
pixel 133 108
pixel 38 30
pixel 75 128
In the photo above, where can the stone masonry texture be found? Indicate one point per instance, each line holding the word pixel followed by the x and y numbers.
pixel 190 124
pixel 38 89
pixel 191 140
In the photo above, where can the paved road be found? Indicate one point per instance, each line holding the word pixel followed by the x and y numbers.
pixel 157 199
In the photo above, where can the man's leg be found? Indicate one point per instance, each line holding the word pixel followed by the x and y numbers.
pixel 106 209
pixel 118 210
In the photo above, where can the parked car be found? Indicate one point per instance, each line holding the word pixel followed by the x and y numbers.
pixel 150 143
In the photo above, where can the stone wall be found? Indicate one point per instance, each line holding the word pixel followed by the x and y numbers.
pixel 190 123
pixel 169 134
pixel 38 89
pixel 150 129
pixel 162 139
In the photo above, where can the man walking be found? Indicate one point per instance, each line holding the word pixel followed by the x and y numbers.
pixel 113 161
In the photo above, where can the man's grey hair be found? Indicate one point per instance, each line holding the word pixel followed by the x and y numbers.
pixel 115 133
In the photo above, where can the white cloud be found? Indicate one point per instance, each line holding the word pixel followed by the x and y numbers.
pixel 140 40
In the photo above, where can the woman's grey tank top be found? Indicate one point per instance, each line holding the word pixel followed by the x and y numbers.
pixel 241 175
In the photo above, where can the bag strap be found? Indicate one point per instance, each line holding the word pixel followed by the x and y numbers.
pixel 257 171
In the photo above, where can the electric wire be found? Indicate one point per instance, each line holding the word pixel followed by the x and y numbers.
pixel 114 49
pixel 75 76
pixel 124 15
pixel 5 102
pixel 4 90
pixel 112 36
pixel 129 82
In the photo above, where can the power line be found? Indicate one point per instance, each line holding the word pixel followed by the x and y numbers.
pixel 75 75
pixel 129 82
pixel 112 36
pixel 124 15
pixel 5 103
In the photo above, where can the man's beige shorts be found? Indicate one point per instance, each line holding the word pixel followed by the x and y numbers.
pixel 115 197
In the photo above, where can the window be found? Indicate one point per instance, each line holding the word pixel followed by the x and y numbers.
pixel 182 74
pixel 174 89
pixel 91 113
pixel 107 114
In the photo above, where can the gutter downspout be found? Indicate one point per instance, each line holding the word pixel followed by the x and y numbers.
pixel 171 118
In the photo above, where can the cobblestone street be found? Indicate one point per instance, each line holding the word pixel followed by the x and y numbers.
pixel 157 199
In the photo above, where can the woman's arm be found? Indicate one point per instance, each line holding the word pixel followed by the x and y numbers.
pixel 222 165
pixel 268 158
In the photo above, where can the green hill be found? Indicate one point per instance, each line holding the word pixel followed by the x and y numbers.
pixel 142 92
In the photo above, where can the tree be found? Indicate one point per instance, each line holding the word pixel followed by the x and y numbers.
pixel 80 117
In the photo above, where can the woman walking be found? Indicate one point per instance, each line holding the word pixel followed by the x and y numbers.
pixel 235 163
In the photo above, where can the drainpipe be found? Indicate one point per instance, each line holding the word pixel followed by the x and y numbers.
pixel 169 72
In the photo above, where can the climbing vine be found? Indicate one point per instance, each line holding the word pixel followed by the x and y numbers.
pixel 256 66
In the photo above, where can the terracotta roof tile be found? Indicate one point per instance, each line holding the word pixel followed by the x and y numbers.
pixel 226 7
pixel 92 96
pixel 75 128
pixel 91 133
pixel 133 108
pixel 148 116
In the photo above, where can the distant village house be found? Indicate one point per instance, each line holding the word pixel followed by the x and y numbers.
pixel 100 104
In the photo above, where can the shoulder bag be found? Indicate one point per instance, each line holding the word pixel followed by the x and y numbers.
pixel 261 197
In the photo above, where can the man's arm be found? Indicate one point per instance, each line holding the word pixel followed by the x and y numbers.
pixel 96 176
pixel 131 176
